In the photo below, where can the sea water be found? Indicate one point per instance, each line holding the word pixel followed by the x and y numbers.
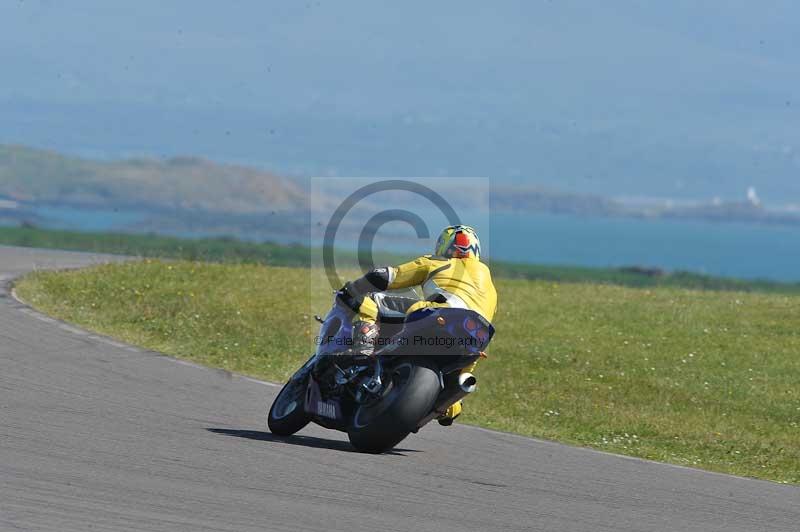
pixel 728 249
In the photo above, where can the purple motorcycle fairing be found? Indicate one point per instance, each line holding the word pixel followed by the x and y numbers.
pixel 336 332
pixel 446 323
pixel 334 337
pixel 319 407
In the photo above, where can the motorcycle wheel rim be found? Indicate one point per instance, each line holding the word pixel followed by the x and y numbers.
pixel 287 403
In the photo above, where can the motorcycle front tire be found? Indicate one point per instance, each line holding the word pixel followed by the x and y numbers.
pixel 287 415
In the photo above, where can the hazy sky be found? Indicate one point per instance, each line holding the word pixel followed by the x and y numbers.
pixel 680 98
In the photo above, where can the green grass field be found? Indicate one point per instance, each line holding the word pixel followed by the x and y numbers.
pixel 707 379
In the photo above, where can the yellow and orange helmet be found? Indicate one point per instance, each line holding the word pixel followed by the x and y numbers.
pixel 458 241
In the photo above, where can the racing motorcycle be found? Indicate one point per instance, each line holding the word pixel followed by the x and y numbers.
pixel 413 377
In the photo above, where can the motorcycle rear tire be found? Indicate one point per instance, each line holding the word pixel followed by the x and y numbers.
pixel 414 389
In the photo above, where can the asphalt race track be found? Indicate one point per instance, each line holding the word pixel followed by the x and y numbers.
pixel 97 435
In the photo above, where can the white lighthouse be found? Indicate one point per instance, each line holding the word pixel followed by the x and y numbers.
pixel 752 197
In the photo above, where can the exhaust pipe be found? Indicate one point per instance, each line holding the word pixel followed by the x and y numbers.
pixel 454 390
pixel 467 382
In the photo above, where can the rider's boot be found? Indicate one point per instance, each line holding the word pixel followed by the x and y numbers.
pixel 450 415
pixel 365 335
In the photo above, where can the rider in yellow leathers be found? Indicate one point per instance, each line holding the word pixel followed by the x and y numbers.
pixel 452 277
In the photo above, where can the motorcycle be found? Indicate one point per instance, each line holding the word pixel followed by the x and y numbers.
pixel 413 377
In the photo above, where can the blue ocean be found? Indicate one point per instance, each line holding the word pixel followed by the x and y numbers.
pixel 726 249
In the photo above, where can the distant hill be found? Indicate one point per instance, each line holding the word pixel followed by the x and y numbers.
pixel 29 175
pixel 183 183
pixel 539 199
pixel 195 195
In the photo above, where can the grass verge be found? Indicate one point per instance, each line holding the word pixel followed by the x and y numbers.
pixel 699 378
